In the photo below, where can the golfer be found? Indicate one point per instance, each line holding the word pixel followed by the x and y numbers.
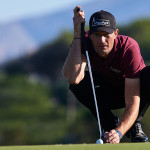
pixel 120 76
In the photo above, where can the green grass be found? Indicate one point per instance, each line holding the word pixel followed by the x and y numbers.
pixel 125 146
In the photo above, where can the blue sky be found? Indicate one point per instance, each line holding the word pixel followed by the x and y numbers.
pixel 16 9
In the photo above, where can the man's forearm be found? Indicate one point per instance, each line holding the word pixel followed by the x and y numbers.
pixel 75 63
pixel 129 116
pixel 132 102
pixel 74 66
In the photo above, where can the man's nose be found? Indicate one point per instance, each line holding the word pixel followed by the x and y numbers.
pixel 101 39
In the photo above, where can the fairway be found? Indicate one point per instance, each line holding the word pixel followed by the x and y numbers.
pixel 125 146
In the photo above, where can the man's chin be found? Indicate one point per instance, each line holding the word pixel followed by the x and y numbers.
pixel 103 53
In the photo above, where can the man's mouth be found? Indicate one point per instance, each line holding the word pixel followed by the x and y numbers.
pixel 102 46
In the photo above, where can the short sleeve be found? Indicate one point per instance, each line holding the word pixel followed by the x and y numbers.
pixel 132 61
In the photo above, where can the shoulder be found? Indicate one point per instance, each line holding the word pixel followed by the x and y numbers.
pixel 131 59
pixel 125 41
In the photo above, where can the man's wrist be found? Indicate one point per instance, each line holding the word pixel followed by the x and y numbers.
pixel 77 35
pixel 120 134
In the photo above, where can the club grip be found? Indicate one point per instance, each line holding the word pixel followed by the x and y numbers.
pixel 82 24
pixel 78 9
pixel 83 33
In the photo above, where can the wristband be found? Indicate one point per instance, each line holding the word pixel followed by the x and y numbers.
pixel 76 38
pixel 120 134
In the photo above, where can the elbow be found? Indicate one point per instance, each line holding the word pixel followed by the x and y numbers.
pixel 73 79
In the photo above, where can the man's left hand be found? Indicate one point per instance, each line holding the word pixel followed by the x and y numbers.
pixel 112 137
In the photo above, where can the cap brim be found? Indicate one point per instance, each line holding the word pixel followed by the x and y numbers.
pixel 108 30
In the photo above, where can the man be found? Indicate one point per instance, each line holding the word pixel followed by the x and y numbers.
pixel 119 73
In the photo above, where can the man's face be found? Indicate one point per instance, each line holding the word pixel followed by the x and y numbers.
pixel 103 42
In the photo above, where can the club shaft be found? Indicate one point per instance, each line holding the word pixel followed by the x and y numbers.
pixel 93 88
pixel 90 72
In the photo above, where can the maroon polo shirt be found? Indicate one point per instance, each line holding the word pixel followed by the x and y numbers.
pixel 124 61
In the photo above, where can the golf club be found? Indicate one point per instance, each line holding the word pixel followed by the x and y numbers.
pixel 143 112
pixel 99 141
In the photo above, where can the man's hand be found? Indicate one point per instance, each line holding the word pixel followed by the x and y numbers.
pixel 112 137
pixel 77 20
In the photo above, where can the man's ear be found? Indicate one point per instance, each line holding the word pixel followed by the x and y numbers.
pixel 116 32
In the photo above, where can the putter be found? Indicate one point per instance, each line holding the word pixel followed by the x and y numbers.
pixel 143 112
pixel 99 141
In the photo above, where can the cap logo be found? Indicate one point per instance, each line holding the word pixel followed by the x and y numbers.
pixel 100 22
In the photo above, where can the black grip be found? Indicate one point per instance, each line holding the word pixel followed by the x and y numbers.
pixel 78 9
pixel 82 25
pixel 83 33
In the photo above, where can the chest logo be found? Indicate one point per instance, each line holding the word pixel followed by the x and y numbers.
pixel 115 70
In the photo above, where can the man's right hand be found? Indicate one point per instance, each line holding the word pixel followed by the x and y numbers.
pixel 77 20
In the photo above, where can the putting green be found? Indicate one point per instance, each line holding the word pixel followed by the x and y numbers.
pixel 124 146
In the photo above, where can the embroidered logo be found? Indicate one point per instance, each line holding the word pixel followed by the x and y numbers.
pixel 100 22
pixel 115 70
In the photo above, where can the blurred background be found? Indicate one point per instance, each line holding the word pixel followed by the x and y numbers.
pixel 36 106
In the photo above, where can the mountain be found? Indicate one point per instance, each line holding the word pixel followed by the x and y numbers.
pixel 15 41
pixel 26 36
